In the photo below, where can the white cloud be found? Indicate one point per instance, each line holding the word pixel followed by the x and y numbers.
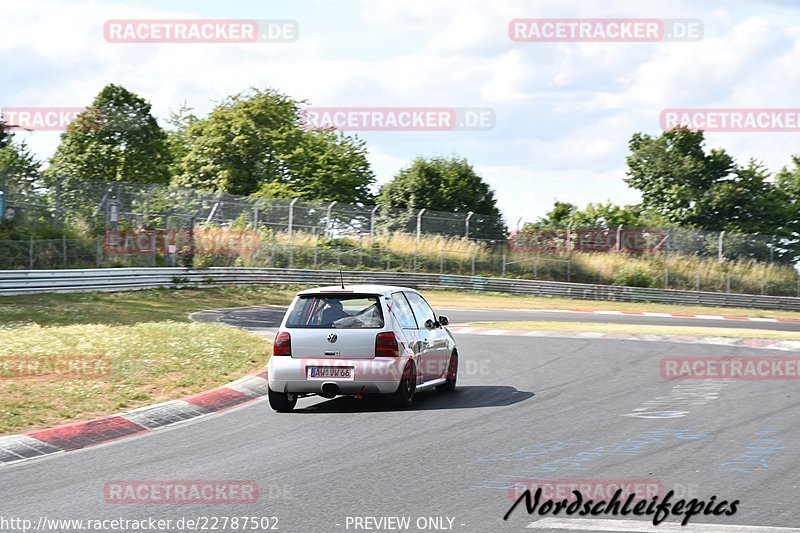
pixel 508 79
pixel 564 111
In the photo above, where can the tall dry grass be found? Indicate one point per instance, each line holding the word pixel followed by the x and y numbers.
pixel 397 242
pixel 708 268
pixel 684 271
pixel 451 247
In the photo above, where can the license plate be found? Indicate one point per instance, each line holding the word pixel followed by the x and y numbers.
pixel 329 372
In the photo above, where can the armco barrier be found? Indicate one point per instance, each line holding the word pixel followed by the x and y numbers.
pixel 118 279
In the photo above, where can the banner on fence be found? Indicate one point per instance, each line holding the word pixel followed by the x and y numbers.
pixel 199 241
pixel 634 241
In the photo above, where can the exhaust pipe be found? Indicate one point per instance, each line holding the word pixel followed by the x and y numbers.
pixel 329 390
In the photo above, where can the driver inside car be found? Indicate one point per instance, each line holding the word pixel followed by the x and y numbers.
pixel 333 312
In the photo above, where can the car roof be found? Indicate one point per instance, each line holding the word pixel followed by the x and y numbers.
pixel 357 289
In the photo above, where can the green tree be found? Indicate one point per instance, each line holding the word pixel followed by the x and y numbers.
pixel 684 185
pixel 24 190
pixel 115 139
pixel 606 216
pixel 5 134
pixel 594 215
pixel 177 138
pixel 674 175
pixel 445 184
pixel 788 182
pixel 330 166
pixel 254 143
pixel 21 169
pixel 557 218
pixel 747 202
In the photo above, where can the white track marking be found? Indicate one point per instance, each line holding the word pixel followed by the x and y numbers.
pixel 620 313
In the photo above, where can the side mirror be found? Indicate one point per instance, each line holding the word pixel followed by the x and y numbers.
pixel 443 320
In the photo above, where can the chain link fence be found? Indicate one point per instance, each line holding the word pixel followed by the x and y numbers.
pixel 309 234
pixel 157 252
pixel 655 241
pixel 106 206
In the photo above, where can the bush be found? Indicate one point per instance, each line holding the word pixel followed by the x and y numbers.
pixel 337 242
pixel 14 231
pixel 634 276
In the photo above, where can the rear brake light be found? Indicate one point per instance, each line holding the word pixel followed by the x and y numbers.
pixel 386 345
pixel 283 344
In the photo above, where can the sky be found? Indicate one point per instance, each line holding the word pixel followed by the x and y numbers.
pixel 564 111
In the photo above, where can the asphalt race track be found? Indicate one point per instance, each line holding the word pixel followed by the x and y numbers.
pixel 269 318
pixel 525 408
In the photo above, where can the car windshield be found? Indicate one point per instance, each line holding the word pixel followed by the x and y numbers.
pixel 340 311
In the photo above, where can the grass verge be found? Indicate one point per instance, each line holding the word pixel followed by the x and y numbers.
pixel 133 307
pixel 154 353
pixel 146 363
pixel 598 327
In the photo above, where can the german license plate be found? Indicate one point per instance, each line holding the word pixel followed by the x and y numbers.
pixel 329 372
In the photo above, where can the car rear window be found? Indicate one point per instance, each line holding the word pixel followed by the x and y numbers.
pixel 340 311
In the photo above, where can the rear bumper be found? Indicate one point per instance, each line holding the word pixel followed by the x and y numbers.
pixel 380 375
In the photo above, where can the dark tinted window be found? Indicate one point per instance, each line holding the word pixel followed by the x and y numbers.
pixel 340 311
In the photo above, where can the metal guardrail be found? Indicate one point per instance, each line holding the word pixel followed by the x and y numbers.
pixel 118 279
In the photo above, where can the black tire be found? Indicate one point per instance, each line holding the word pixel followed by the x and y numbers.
pixel 404 395
pixel 452 375
pixel 282 402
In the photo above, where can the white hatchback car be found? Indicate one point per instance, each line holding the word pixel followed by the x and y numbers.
pixel 358 340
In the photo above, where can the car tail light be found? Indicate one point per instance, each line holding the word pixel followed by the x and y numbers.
pixel 386 345
pixel 283 344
